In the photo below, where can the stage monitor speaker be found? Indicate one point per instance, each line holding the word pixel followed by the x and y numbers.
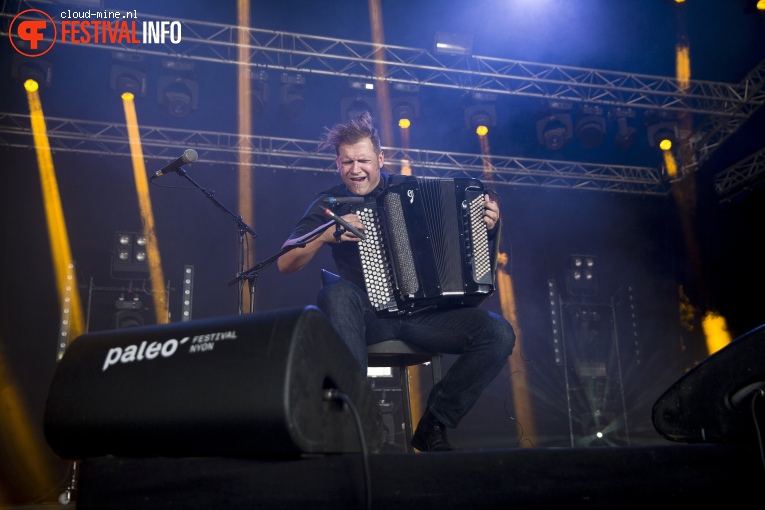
pixel 246 385
pixel 712 401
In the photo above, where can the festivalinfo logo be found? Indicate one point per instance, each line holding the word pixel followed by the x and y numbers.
pixel 33 32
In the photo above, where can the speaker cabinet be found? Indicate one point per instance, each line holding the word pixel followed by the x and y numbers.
pixel 713 402
pixel 245 385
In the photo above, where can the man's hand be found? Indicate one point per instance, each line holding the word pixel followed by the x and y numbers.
pixel 490 212
pixel 354 221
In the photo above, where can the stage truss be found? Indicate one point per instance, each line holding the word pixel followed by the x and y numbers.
pixel 721 108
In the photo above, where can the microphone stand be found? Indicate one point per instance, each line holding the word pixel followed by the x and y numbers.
pixel 243 229
pixel 251 275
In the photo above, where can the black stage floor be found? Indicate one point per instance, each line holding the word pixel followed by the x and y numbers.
pixel 661 477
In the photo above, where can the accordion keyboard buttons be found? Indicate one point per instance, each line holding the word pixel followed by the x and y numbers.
pixel 480 239
pixel 374 263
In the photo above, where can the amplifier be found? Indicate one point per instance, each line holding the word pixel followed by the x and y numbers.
pixel 243 385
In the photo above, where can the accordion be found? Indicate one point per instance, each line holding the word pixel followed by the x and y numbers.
pixel 426 246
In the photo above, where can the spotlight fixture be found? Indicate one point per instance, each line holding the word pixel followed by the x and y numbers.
pixel 405 103
pixel 590 126
pixel 554 125
pixel 480 110
pixel 291 101
pixel 625 134
pixel 37 69
pixel 661 129
pixel 128 74
pixel 177 89
pixel 358 97
pixel 259 92
pixel 453 44
pixel 129 259
pixel 581 278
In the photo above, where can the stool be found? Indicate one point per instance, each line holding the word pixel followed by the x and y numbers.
pixel 400 354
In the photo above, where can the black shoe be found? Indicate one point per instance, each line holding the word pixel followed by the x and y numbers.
pixel 430 435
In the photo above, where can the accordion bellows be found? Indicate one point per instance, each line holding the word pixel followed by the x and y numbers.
pixel 426 246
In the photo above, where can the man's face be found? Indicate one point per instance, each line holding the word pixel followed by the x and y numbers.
pixel 359 166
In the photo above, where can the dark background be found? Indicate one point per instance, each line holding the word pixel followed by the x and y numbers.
pixel 638 240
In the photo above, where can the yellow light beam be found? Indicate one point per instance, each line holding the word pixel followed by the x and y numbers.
pixel 520 384
pixel 683 65
pixel 245 178
pixel 488 168
pixel 29 473
pixel 59 239
pixel 518 374
pixel 159 293
pixel 406 165
pixel 381 85
pixel 684 189
pixel 670 164
pixel 715 331
pixel 23 459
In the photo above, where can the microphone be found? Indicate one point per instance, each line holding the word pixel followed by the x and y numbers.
pixel 188 157
pixel 350 228
pixel 345 200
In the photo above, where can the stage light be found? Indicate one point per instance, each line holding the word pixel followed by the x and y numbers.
pixel 128 312
pixel 129 261
pixel 554 125
pixel 625 134
pixel 37 69
pixel 598 424
pixel 358 97
pixel 128 74
pixel 177 88
pixel 405 102
pixel 259 92
pixel 404 123
pixel 291 101
pixel 453 44
pixel 481 130
pixel 361 85
pixel 662 130
pixel 581 278
pixel 590 126
pixel 128 96
pixel 31 86
pixel 480 110
pixel 555 322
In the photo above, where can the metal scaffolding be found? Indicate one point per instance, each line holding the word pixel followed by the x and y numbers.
pixel 722 108
pixel 285 154
pixel 741 176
